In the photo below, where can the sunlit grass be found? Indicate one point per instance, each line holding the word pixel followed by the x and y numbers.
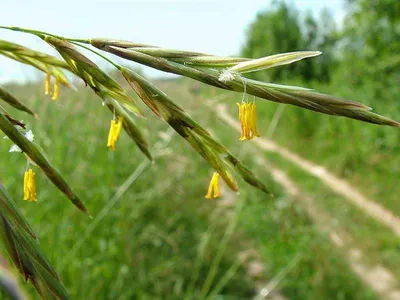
pixel 161 238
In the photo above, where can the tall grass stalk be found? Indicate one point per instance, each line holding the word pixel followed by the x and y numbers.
pixel 220 72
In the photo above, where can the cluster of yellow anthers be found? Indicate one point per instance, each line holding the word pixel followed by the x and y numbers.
pixel 248 123
pixel 29 186
pixel 47 87
pixel 115 130
pixel 213 188
pixel 248 120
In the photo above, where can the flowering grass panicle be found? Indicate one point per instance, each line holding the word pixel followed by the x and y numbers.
pixel 221 72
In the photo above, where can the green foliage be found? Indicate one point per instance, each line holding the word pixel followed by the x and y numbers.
pixel 273 32
pixel 346 147
pixel 371 40
pixel 160 238
pixel 320 34
pixel 282 29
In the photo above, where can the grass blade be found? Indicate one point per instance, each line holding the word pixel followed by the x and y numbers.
pixel 200 139
pixel 8 207
pixel 36 155
pixel 10 99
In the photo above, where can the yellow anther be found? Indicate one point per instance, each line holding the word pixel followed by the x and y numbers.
pixel 253 124
pixel 115 131
pixel 47 84
pixel 242 120
pixel 56 89
pixel 248 120
pixel 29 186
pixel 213 188
pixel 111 134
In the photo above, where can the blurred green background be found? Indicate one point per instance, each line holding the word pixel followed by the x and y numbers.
pixel 153 234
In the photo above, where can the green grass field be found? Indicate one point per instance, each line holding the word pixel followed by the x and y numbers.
pixel 153 234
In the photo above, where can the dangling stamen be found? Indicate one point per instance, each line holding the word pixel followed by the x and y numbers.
pixel 115 131
pixel 241 107
pixel 26 191
pixel 210 190
pixel 247 120
pixel 253 124
pixel 111 135
pixel 213 188
pixel 56 90
pixel 217 193
pixel 29 186
pixel 47 84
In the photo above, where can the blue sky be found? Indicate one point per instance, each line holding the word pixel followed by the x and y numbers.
pixel 212 26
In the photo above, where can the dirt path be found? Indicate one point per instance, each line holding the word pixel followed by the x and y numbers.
pixel 380 279
pixel 250 258
pixel 336 184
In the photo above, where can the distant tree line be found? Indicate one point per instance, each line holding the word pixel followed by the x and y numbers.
pixel 367 45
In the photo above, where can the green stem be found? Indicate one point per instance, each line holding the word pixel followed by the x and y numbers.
pixel 38 33
pixel 84 41
pixel 43 33
pixel 97 53
pixel 76 42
